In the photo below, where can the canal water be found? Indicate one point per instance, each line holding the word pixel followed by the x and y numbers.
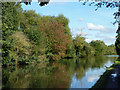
pixel 65 73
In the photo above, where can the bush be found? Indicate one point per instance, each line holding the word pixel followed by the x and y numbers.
pixel 20 47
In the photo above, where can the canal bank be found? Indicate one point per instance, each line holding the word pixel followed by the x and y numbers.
pixel 110 78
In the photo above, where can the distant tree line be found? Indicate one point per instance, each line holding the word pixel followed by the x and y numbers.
pixel 28 37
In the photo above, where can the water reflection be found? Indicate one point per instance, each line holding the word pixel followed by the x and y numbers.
pixel 66 73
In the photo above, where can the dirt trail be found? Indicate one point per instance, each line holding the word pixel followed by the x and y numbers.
pixel 113 79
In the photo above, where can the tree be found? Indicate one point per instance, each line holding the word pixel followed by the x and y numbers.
pixel 20 47
pixel 78 44
pixel 99 46
pixel 10 19
pixel 48 33
pixel 30 25
pixel 33 37
pixel 70 48
pixel 111 50
pixel 99 4
pixel 116 16
pixel 57 36
pixel 10 24
pixel 82 48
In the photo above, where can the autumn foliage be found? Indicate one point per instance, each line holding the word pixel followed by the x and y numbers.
pixel 56 38
pixel 32 38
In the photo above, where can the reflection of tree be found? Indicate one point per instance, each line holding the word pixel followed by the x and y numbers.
pixel 80 68
pixel 15 78
pixel 81 65
pixel 50 75
pixel 98 62
pixel 40 76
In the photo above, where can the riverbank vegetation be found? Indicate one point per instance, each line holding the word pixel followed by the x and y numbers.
pixel 28 37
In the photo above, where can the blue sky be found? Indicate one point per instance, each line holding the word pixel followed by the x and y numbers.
pixel 83 19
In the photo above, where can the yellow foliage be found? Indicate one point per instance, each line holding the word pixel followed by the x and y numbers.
pixel 20 42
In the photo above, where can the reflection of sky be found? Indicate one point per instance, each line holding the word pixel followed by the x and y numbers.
pixel 108 64
pixel 90 78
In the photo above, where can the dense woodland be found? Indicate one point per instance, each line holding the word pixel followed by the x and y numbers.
pixel 28 37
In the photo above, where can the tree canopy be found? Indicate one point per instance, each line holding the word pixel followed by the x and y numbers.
pixel 33 38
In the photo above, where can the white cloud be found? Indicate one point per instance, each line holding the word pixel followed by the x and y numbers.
pixel 88 40
pixel 107 39
pixel 100 28
pixel 91 26
pixel 92 78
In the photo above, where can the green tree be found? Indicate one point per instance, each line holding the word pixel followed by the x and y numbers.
pixel 111 50
pixel 99 46
pixel 11 15
pixel 78 44
pixel 82 48
pixel 11 12
pixel 31 27
pixel 111 4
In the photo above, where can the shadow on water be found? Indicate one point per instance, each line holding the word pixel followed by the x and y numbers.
pixel 59 74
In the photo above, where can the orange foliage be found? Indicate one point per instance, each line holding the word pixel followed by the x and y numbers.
pixel 56 35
